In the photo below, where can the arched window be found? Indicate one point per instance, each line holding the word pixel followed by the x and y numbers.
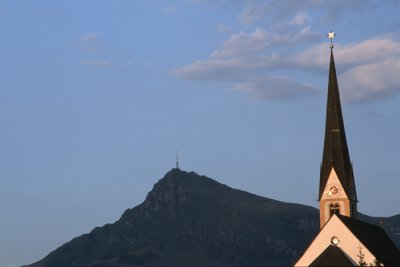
pixel 334 209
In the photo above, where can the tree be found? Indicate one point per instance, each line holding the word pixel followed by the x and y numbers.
pixel 376 263
pixel 361 257
pixel 362 262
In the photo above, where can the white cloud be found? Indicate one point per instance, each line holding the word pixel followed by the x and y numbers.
pixel 89 37
pixel 249 15
pixel 89 42
pixel 370 50
pixel 369 69
pixel 242 44
pixel 105 64
pixel 243 60
pixel 348 56
pixel 172 9
pixel 275 88
pixel 90 45
pixel 280 11
pixel 285 42
pixel 98 63
pixel 248 44
pixel 371 82
pixel 300 19
pixel 273 10
pixel 248 53
pixel 305 35
pixel 231 69
pixel 223 28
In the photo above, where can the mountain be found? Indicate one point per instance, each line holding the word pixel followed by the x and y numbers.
pixel 192 220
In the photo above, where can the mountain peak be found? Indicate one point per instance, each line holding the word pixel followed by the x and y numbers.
pixel 169 192
pixel 191 220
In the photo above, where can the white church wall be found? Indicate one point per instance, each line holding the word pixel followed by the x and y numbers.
pixel 347 242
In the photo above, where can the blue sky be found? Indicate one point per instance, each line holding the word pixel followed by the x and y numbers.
pixel 97 96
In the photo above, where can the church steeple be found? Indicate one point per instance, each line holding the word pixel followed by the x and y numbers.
pixel 337 188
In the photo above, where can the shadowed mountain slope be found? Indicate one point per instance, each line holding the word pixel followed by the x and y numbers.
pixel 192 220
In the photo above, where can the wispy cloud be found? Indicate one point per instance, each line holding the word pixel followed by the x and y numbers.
pixel 223 28
pixel 89 42
pixel 369 82
pixel 295 12
pixel 242 44
pixel 300 19
pixel 283 88
pixel 245 61
pixel 350 55
pixel 99 63
pixel 367 69
pixel 171 9
pixel 283 53
pixel 105 64
pixel 304 35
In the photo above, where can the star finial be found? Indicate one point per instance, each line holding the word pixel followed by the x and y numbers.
pixel 331 35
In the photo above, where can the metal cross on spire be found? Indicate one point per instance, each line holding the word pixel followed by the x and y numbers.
pixel 331 35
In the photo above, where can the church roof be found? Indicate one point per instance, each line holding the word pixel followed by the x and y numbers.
pixel 336 152
pixel 374 239
pixel 332 256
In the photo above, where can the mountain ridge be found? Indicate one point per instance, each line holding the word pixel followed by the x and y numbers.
pixel 189 219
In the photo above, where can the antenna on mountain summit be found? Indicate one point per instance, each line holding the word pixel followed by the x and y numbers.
pixel 177 160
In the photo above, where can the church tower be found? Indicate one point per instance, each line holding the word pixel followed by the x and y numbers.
pixel 337 192
pixel 342 237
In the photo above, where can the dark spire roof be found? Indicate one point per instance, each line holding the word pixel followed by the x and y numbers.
pixel 336 152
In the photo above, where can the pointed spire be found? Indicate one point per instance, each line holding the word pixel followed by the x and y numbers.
pixel 336 153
